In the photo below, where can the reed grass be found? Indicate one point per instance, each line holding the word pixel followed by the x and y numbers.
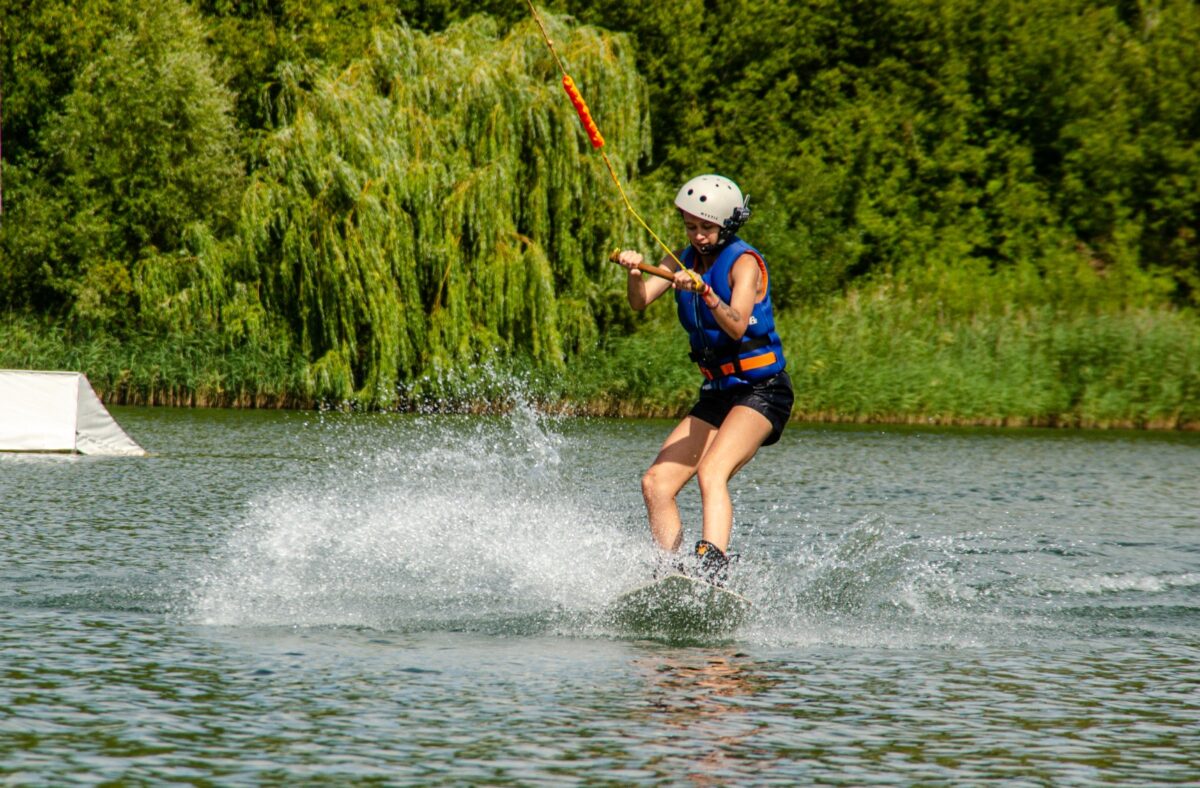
pixel 195 370
pixel 874 358
pixel 867 358
pixel 879 359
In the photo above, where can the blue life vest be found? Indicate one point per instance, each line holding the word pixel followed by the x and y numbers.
pixel 727 362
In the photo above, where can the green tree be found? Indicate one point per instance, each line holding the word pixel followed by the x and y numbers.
pixel 44 46
pixel 1017 137
pixel 141 148
pixel 436 205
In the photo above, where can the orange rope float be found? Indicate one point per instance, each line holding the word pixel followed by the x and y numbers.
pixel 585 115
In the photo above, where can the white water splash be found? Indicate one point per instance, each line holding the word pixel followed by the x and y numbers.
pixel 1121 582
pixel 478 523
pixel 868 583
pixel 462 521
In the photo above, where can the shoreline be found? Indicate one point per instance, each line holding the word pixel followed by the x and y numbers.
pixel 633 411
pixel 890 364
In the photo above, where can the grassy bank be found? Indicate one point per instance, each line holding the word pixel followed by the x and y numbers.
pixel 868 359
pixel 196 370
pixel 875 359
pixel 881 361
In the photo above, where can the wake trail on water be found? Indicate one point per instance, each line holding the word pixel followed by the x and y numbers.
pixel 478 524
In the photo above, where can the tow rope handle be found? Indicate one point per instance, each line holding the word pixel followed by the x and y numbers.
pixel 653 270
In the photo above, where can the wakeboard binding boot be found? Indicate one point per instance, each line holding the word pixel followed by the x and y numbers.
pixel 712 564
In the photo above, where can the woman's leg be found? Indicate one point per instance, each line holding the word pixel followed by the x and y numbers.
pixel 675 464
pixel 740 436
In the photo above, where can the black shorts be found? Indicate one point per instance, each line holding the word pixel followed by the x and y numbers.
pixel 771 397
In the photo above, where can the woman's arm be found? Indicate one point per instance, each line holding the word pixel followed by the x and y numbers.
pixel 643 291
pixel 744 280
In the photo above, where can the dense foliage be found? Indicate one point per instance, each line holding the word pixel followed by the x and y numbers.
pixel 1021 137
pixel 372 194
pixel 428 206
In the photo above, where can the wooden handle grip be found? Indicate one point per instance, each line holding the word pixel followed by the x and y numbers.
pixel 646 268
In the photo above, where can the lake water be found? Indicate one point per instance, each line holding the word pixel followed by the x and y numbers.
pixel 293 598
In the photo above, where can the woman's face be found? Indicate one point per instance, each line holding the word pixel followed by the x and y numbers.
pixel 701 233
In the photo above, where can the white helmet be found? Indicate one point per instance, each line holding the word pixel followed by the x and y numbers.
pixel 717 199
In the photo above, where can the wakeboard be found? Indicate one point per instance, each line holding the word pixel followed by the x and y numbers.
pixel 679 606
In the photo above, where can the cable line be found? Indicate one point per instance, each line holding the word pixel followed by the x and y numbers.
pixel 597 140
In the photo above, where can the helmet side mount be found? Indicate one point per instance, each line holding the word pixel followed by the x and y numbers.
pixel 735 221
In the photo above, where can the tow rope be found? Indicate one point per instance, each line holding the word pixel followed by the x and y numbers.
pixel 597 140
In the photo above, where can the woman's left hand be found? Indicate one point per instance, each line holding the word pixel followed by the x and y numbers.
pixel 685 281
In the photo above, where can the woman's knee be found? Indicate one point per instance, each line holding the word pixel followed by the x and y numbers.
pixel 657 485
pixel 712 476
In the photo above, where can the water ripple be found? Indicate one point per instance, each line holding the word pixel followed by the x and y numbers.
pixel 276 598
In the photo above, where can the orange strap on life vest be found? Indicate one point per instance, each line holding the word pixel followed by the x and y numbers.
pixel 754 362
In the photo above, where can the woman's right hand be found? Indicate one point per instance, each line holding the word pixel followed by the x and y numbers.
pixel 630 259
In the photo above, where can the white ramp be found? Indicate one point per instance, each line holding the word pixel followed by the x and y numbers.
pixel 57 411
